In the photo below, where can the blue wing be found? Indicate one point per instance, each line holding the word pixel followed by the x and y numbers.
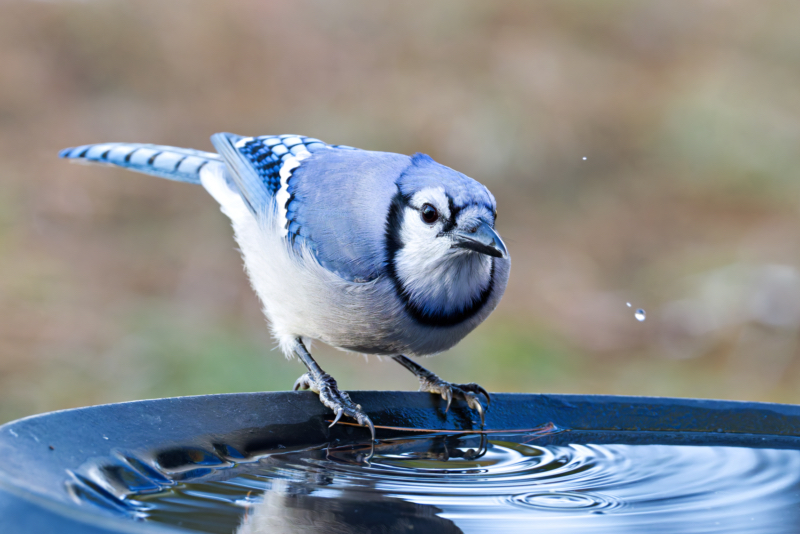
pixel 254 163
pixel 334 198
pixel 172 163
pixel 335 201
pixel 339 202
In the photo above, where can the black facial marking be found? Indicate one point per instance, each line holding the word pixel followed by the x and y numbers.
pixel 450 223
pixel 394 221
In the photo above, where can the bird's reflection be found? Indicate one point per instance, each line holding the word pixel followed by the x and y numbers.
pixel 287 508
pixel 319 503
pixel 438 448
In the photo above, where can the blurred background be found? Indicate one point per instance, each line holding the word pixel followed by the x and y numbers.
pixel 640 152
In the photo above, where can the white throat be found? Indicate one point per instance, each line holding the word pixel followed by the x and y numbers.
pixel 439 279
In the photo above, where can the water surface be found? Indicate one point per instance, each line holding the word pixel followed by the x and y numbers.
pixel 496 483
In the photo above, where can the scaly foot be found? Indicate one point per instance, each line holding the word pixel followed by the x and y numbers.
pixel 431 383
pixel 448 391
pixel 338 401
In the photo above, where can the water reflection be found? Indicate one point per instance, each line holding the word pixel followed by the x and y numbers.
pixel 296 508
pixel 291 507
pixel 506 483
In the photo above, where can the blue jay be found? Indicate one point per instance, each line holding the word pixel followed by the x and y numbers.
pixel 371 252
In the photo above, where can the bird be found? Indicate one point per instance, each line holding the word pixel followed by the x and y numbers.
pixel 369 252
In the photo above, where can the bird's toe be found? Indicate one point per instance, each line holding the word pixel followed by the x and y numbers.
pixel 468 393
pixel 338 401
pixel 304 382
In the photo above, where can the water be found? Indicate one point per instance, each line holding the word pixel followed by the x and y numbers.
pixel 497 483
pixel 639 314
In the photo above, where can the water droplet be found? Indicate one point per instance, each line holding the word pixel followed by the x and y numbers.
pixel 584 158
pixel 640 315
pixel 629 304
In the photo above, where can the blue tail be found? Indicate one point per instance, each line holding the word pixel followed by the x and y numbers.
pixel 172 163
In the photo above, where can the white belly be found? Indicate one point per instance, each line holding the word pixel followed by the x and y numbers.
pixel 303 299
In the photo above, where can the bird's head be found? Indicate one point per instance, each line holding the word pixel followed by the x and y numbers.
pixel 441 242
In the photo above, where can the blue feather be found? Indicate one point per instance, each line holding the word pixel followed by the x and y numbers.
pixel 172 163
pixel 335 195
pixel 338 204
pixel 255 163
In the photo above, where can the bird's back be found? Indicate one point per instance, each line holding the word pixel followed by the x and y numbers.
pixel 331 198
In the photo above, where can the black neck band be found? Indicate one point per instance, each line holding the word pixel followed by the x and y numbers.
pixel 393 244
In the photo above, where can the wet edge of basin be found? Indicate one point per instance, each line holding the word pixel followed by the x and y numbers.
pixel 44 458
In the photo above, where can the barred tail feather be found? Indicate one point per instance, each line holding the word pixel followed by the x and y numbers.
pixel 172 163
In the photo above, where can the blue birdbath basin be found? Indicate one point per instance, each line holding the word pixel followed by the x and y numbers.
pixel 267 462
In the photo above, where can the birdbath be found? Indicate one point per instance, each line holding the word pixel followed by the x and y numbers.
pixel 268 462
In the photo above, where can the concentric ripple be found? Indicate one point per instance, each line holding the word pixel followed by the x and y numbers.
pixel 508 483
pixel 567 501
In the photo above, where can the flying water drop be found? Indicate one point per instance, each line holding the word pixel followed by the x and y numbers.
pixel 640 315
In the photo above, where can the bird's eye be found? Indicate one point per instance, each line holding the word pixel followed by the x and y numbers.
pixel 429 214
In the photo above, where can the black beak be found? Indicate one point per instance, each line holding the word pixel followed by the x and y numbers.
pixel 483 239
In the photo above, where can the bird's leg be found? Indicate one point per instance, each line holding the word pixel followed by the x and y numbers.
pixel 433 384
pixel 324 384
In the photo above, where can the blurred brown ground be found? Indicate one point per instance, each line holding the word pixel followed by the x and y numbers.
pixel 116 286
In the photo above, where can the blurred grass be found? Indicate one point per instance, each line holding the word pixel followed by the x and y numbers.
pixel 115 286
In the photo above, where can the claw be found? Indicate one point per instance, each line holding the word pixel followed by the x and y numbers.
pixel 300 383
pixel 325 386
pixel 371 431
pixel 478 389
pixel 431 383
pixel 338 416
pixel 478 408
pixel 468 392
pixel 485 394
pixel 338 401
